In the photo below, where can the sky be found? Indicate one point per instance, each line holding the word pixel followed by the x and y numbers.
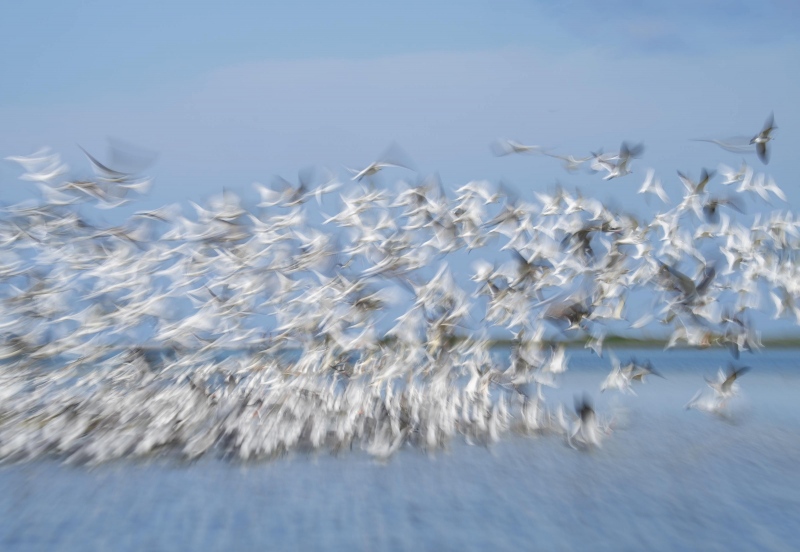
pixel 228 95
pixel 235 93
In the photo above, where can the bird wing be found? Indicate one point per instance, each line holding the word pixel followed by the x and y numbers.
pixel 102 168
pixel 761 150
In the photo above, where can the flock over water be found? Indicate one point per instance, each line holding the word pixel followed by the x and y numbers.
pixel 335 314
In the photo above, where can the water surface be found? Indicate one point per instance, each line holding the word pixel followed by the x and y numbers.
pixel 666 479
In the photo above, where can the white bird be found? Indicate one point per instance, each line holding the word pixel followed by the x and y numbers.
pixel 723 389
pixel 586 431
pixel 699 187
pixel 617 378
pixel 653 185
pixel 733 176
pixel 507 147
pixel 762 139
pixel 725 385
pixel 391 158
pixel 570 162
pixel 371 169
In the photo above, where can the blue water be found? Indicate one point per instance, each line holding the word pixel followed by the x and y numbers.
pixel 666 479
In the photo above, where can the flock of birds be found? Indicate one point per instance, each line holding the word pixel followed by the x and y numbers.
pixel 255 331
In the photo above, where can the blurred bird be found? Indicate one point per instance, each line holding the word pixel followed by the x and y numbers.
pixel 507 147
pixel 392 157
pixel 699 187
pixel 586 431
pixel 653 185
pixel 570 162
pixel 723 386
pixel 762 139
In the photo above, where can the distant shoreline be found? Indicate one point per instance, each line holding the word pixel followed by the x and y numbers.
pixel 610 341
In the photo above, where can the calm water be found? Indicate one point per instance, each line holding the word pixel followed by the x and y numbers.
pixel 667 479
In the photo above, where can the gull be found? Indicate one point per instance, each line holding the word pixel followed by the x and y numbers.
pixel 480 188
pixel 105 173
pixel 636 371
pixel 507 147
pixel 167 213
pixel 141 186
pixel 571 163
pixel 90 188
pixel 784 303
pixel 699 187
pixel 586 430
pixel 47 173
pixel 385 443
pixel 54 197
pixel 732 176
pixel 620 168
pixel 551 205
pixel 603 161
pixel 617 378
pixel 331 184
pixel 41 166
pixel 591 206
pixel 621 377
pixel 558 360
pixel 653 185
pixel 372 168
pixel 760 185
pixel 103 204
pixel 269 197
pixel 289 196
pixel 705 403
pixel 711 205
pixel 675 280
pixel 595 343
pixel 724 386
pixel 572 310
pixel 33 161
pixel 762 138
pixel 528 271
pixel 388 159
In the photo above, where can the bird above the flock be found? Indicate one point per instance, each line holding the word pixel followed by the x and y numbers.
pixel 104 172
pixel 762 138
pixel 506 147
pixel 744 144
pixel 394 156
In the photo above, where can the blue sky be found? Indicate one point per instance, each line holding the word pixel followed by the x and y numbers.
pixel 233 93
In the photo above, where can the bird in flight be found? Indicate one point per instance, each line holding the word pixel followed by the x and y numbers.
pixel 698 187
pixel 392 157
pixel 507 147
pixel 761 139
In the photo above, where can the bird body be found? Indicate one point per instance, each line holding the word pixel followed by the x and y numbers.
pixel 763 138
